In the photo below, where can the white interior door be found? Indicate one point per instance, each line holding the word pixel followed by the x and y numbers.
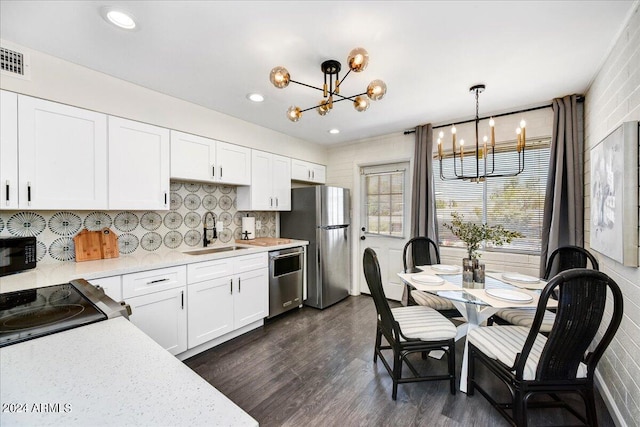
pixel 384 221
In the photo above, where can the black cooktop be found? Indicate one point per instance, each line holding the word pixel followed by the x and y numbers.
pixel 33 313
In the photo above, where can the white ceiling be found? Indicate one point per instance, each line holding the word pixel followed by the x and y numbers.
pixel 213 53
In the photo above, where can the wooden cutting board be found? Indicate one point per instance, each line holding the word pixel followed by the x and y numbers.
pixel 92 245
pixel 265 241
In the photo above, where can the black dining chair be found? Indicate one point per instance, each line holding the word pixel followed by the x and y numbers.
pixel 408 330
pixel 563 258
pixel 530 363
pixel 424 251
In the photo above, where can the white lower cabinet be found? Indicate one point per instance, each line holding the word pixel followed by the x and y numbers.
pixel 251 302
pixel 210 310
pixel 162 316
pixel 185 306
pixel 158 303
pixel 220 302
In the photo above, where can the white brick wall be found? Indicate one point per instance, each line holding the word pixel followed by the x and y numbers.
pixel 613 98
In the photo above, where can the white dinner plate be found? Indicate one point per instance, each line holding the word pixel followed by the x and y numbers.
pixel 509 295
pixel 445 268
pixel 520 278
pixel 427 279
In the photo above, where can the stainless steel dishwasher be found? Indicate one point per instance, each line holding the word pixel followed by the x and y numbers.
pixel 286 275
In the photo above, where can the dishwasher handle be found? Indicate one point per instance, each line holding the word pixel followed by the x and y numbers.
pixel 275 257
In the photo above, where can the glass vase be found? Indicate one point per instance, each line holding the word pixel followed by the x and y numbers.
pixel 468 267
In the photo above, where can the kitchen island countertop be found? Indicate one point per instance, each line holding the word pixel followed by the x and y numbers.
pixel 106 373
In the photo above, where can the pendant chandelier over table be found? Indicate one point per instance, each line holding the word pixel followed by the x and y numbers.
pixel 483 156
pixel 357 60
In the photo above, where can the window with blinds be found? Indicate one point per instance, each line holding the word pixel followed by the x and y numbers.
pixel 384 204
pixel 515 202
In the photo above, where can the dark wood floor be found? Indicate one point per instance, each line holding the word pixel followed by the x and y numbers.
pixel 314 367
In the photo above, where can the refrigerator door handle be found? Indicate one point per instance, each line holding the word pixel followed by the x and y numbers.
pixel 333 227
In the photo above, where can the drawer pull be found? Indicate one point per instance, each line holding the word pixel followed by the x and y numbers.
pixel 231 286
pixel 166 279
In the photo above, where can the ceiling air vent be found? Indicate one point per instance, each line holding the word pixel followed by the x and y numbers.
pixel 14 63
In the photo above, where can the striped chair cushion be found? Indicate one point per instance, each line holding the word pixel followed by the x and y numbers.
pixel 423 323
pixel 523 317
pixel 504 342
pixel 430 300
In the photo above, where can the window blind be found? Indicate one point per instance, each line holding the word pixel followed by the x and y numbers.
pixel 515 202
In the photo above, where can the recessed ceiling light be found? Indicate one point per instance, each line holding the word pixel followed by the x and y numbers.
pixel 334 131
pixel 255 97
pixel 119 18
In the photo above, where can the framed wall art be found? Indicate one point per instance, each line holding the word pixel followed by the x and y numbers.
pixel 614 195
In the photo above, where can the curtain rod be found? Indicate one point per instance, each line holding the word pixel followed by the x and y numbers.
pixel 407 132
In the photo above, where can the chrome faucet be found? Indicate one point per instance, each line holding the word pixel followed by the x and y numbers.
pixel 214 232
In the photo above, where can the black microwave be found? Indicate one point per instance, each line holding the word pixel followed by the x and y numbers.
pixel 17 254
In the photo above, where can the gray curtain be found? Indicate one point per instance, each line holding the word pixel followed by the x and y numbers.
pixel 423 200
pixel 563 220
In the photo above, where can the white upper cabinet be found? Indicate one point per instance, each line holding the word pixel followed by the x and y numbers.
pixel 270 188
pixel 62 156
pixel 234 163
pixel 8 150
pixel 308 172
pixel 196 158
pixel 138 165
pixel 192 157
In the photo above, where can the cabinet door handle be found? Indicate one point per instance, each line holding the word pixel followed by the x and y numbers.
pixel 231 286
pixel 213 171
pixel 29 193
pixel 220 172
pixel 313 174
pixel 239 284
pixel 158 281
pixel 309 174
pixel 182 299
pixel 271 201
pixel 165 198
pixel 7 192
pixel 276 202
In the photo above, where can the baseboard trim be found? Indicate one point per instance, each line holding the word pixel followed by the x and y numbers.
pixel 609 401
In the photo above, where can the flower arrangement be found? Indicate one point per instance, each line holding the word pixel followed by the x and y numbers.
pixel 473 234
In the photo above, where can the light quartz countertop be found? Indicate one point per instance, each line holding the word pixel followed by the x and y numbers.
pixel 63 272
pixel 106 373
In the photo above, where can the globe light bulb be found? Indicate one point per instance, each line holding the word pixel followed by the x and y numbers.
pixel 522 123
pixel 376 90
pixel 358 59
pixel 361 104
pixel 323 107
pixel 294 113
pixel 441 135
pixel 279 77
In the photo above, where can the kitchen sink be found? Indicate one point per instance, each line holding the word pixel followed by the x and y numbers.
pixel 205 251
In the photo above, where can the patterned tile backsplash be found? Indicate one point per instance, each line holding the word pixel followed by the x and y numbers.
pixel 179 228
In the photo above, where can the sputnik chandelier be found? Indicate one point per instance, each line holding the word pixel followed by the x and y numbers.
pixel 485 162
pixel 358 60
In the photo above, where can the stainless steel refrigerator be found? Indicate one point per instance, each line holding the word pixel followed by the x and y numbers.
pixel 320 214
